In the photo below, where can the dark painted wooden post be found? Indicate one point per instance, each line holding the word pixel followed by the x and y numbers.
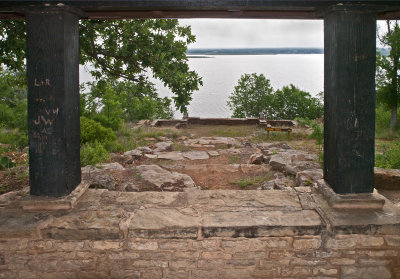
pixel 53 100
pixel 349 123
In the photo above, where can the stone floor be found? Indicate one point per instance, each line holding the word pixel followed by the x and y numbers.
pixel 103 214
pixel 196 234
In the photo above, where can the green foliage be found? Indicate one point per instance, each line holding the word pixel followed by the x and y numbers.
pixel 13 100
pixel 291 102
pixel 112 102
pixel 93 153
pixel 317 134
pixel 122 49
pixel 251 96
pixel 303 122
pixel 14 137
pixel 6 163
pixel 387 71
pixel 92 131
pixel 254 95
pixel 251 180
pixel 390 157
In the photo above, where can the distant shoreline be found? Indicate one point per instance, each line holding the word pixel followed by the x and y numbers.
pixel 207 52
pixel 253 51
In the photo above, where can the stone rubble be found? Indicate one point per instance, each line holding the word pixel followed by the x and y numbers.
pixel 164 179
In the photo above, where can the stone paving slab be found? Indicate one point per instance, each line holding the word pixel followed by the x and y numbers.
pixel 102 214
pixel 163 223
pixel 91 224
pixel 261 223
pixel 15 223
pixel 220 200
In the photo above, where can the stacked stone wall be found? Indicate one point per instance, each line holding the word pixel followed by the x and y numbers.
pixel 341 256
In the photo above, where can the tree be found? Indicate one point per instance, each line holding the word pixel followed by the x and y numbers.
pixel 252 96
pixel 122 49
pixel 387 74
pixel 291 102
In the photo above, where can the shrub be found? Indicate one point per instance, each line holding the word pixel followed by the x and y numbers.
pixel 92 131
pixel 93 153
pixel 15 138
pixel 390 158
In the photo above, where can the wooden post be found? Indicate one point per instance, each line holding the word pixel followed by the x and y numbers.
pixel 53 100
pixel 349 123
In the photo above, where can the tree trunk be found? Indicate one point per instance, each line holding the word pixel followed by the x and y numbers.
pixel 393 117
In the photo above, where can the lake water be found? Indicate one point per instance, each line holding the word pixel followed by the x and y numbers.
pixel 221 73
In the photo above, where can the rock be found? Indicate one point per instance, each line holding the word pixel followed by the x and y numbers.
pixel 256 159
pixel 293 161
pixel 279 161
pixel 145 149
pixel 213 153
pixel 89 169
pixel 209 145
pixel 266 159
pixel 267 185
pixel 111 166
pixel 100 179
pixel 151 156
pixel 163 146
pixel 136 154
pixel 150 139
pixel 234 151
pixel 283 183
pixel 164 179
pixel 196 155
pixel 130 187
pixel 173 155
pixel 308 177
pixel 212 141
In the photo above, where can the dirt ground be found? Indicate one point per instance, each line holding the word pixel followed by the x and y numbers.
pixel 224 171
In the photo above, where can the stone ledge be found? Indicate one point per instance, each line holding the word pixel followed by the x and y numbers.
pixel 364 201
pixel 39 203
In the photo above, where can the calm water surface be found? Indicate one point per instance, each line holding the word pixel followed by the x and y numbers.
pixel 221 73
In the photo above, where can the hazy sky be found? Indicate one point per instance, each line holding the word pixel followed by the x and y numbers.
pixel 255 33
pixel 234 33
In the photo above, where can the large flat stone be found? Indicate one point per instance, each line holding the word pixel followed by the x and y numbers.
pixel 237 200
pixel 15 223
pixel 196 155
pixel 260 223
pixel 81 225
pixel 163 223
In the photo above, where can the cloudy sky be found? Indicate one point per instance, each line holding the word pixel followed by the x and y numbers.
pixel 255 33
pixel 236 33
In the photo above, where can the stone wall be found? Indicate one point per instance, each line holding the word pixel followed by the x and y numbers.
pixel 341 256
pixel 223 121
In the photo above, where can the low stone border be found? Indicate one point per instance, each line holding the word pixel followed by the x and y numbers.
pixel 223 121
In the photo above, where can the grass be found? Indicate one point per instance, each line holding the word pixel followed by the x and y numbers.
pixel 234 159
pixel 222 130
pixel 251 180
pixel 180 147
pixel 129 139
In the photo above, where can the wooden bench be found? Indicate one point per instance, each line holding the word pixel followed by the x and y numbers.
pixel 269 129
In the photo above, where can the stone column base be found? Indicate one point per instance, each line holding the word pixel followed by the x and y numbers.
pixel 38 203
pixel 362 201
